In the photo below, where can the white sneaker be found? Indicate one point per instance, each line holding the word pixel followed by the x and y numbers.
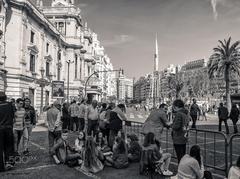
pixel 167 172
pixel 56 159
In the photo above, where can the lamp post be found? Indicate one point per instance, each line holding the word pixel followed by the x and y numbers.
pixel 68 71
pixel 96 73
pixel 42 82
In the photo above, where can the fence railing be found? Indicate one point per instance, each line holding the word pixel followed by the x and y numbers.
pixel 216 149
pixel 234 149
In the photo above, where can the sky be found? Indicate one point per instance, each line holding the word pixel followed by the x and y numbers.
pixel 187 30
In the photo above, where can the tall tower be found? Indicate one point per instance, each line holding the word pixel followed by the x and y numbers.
pixel 156 55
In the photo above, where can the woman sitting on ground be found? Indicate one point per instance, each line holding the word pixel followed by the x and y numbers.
pixel 80 142
pixel 101 143
pixel 92 157
pixel 134 148
pixel 157 157
pixel 119 158
pixel 191 165
pixel 234 171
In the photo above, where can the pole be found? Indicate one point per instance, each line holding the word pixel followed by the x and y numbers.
pixel 68 82
pixel 41 107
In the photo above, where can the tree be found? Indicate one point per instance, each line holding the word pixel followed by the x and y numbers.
pixel 175 85
pixel 225 60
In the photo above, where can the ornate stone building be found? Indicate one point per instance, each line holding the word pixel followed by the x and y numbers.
pixel 50 43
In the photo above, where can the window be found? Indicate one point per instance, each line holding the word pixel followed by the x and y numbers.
pixel 61 27
pixel 32 37
pixel 47 68
pixel 80 71
pixel 76 66
pixel 47 47
pixel 32 63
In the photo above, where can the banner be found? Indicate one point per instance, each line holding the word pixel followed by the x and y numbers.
pixel 58 89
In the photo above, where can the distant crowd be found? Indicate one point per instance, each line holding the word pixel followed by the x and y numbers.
pixel 100 138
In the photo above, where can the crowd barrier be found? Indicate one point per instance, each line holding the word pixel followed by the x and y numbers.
pixel 218 149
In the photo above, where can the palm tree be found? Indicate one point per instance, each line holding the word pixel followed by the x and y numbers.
pixel 225 60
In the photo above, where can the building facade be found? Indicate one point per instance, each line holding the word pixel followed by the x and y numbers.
pixel 124 88
pixel 50 44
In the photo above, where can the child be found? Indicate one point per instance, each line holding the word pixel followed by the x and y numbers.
pixel 62 152
pixel 101 143
pixel 80 142
pixel 91 157
pixel 119 158
pixel 134 148
pixel 161 160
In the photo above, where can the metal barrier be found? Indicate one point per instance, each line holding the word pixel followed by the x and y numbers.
pixel 214 145
pixel 235 149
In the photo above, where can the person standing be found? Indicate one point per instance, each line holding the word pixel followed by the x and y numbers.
pixel 73 111
pixel 81 115
pixel 6 133
pixel 115 122
pixel 194 113
pixel 223 116
pixel 54 124
pixel 18 125
pixel 179 128
pixel 29 124
pixel 234 114
pixel 65 116
pixel 92 116
pixel 156 122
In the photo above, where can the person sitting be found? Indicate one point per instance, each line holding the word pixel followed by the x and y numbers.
pixel 80 142
pixel 152 159
pixel 134 148
pixel 62 152
pixel 92 157
pixel 234 171
pixel 191 165
pixel 101 143
pixel 119 158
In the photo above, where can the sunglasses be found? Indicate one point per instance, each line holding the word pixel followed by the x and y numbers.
pixel 20 103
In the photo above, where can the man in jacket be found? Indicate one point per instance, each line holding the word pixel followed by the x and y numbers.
pixel 29 124
pixel 223 116
pixel 195 113
pixel 179 128
pixel 156 122
pixel 54 124
pixel 6 133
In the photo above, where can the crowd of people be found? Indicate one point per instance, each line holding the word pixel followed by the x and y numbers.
pixel 100 138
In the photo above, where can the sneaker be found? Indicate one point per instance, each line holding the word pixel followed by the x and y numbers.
pixel 56 159
pixel 167 173
pixel 80 161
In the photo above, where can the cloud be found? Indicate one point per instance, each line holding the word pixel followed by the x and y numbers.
pixel 118 39
pixel 214 4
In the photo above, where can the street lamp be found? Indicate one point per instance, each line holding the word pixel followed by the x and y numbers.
pixel 42 82
pixel 94 73
pixel 68 62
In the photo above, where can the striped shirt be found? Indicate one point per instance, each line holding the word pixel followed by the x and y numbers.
pixel 19 119
pixel 74 110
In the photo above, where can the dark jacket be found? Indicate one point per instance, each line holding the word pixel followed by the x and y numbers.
pixel 234 114
pixel 120 160
pixel 30 116
pixel 7 115
pixel 115 123
pixel 179 127
pixel 135 150
pixel 194 110
pixel 223 113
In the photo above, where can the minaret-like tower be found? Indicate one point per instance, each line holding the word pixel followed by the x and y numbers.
pixel 156 55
